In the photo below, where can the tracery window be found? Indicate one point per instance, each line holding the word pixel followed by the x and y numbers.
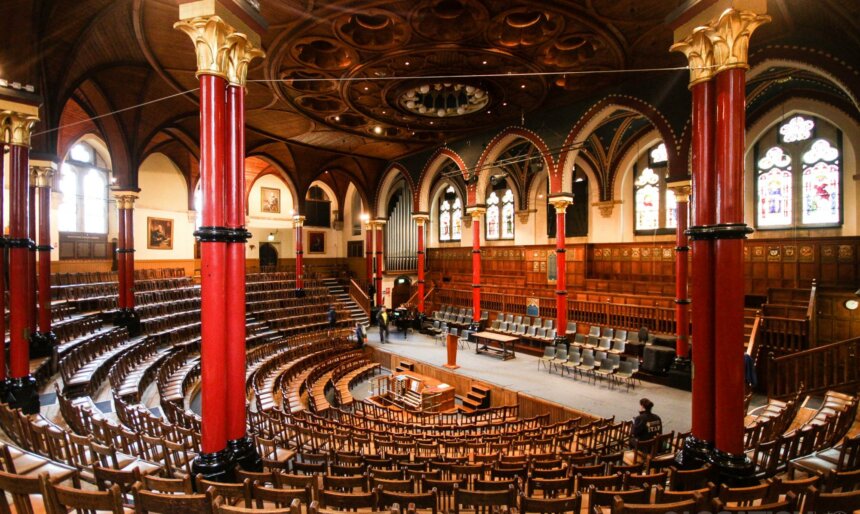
pixel 655 206
pixel 450 216
pixel 811 197
pixel 500 214
pixel 84 185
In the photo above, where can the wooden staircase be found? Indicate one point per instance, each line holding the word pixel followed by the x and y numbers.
pixel 478 397
pixel 404 366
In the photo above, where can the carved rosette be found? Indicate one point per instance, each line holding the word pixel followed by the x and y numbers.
pixel 700 54
pixel 16 128
pixel 730 37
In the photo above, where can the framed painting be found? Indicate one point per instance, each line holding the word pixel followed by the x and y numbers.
pixel 270 200
pixel 159 233
pixel 316 242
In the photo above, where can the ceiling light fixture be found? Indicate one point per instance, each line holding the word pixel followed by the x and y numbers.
pixel 444 99
pixel 377 130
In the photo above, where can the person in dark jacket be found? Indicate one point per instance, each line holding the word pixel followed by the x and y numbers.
pixel 382 321
pixel 332 318
pixel 360 336
pixel 646 425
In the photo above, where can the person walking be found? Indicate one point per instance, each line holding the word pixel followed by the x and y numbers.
pixel 382 321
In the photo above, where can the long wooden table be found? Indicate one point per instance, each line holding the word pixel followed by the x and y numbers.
pixel 506 344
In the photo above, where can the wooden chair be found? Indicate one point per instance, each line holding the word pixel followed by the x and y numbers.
pixel 744 496
pixel 260 477
pixel 400 486
pixel 632 480
pixel 266 497
pixel 559 505
pixel 787 505
pixel 599 481
pixel 221 506
pixel 691 505
pixel 551 487
pixel 347 501
pixel 234 494
pixel 444 490
pixel 606 497
pixel 287 481
pixel 426 501
pixel 818 502
pixel 843 481
pixel 147 501
pixel 106 477
pixel 168 485
pixel 25 492
pixel 704 495
pixel 347 484
pixel 688 480
pixel 60 498
pixel 484 502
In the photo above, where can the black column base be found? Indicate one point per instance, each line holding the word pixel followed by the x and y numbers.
pixel 42 344
pixel 695 453
pixel 244 454
pixel 23 393
pixel 682 364
pixel 475 326
pixel 300 293
pixel 217 467
pixel 130 319
pixel 559 340
pixel 733 470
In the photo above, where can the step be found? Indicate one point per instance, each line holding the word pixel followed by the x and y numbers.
pixel 472 404
pixel 481 388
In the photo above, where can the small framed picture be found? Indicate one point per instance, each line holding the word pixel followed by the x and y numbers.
pixel 316 242
pixel 160 233
pixel 270 200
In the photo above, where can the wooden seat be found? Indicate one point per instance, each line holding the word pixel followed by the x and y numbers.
pixel 150 502
pixel 25 492
pixel 619 507
pixel 484 502
pixel 428 501
pixel 60 498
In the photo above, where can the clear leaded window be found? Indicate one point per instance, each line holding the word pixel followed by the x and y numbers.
pixel 798 166
pixel 84 185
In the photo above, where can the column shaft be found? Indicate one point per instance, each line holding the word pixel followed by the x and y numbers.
pixel 213 263
pixel 2 278
pixel 120 253
pixel 45 260
pixel 300 254
pixel 682 303
pixel 476 269
pixel 561 274
pixel 704 193
pixel 129 257
pixel 421 267
pixel 729 296
pixel 32 314
pixel 19 195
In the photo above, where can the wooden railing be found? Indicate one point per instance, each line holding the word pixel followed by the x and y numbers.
pixel 832 366
pixel 782 336
pixel 754 345
pixel 616 315
pixel 811 313
pixel 359 296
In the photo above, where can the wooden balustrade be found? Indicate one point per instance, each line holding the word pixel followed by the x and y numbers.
pixel 833 366
pixel 356 292
pixel 784 335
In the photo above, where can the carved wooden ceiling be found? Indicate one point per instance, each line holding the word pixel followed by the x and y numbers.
pixel 335 85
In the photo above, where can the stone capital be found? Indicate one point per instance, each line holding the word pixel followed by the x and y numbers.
pixel 298 221
pixel 682 189
pixel 523 216
pixel 730 37
pixel 560 202
pixel 42 173
pixel 476 212
pixel 700 55
pixel 240 53
pixel 17 122
pixel 125 199
pixel 606 207
pixel 421 219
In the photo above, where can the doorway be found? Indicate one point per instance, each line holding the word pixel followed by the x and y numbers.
pixel 268 256
pixel 401 292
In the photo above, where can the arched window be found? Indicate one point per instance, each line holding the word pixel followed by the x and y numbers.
pixel 655 206
pixel 450 216
pixel 810 198
pixel 500 213
pixel 84 184
pixel 317 208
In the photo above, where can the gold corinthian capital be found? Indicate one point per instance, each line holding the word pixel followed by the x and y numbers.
pixel 700 54
pixel 16 128
pixel 730 37
pixel 242 51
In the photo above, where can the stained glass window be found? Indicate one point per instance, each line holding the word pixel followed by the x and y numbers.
pixel 493 216
pixel 671 209
pixel 648 200
pixel 774 189
pixel 450 216
pixel 659 154
pixel 508 215
pixel 798 174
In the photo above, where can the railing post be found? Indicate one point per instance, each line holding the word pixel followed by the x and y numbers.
pixel 771 374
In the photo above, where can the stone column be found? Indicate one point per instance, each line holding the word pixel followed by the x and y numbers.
pixel 120 258
pixel 36 350
pixel 16 124
pixel 560 202
pixel 682 302
pixel 420 222
pixel 298 224
pixel 476 213
pixel 222 36
pixel 42 175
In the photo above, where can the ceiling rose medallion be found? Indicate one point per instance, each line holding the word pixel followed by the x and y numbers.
pixel 444 99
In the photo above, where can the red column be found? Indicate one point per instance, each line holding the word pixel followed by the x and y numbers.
pixel 129 256
pixel 368 254
pixel 476 266
pixel 241 447
pixel 46 336
pixel 682 302
pixel 560 205
pixel 298 224
pixel 215 460
pixel 120 254
pixel 729 270
pixel 379 225
pixel 32 314
pixel 420 220
pixel 2 280
pixel 704 194
pixel 21 391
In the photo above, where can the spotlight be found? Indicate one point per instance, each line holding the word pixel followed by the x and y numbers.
pixel 377 130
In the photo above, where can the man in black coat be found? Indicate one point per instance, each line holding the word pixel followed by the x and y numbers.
pixel 646 425
pixel 382 320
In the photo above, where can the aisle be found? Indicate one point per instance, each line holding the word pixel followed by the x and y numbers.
pixel 521 374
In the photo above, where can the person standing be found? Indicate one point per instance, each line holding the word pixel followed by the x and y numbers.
pixel 646 425
pixel 332 319
pixel 360 336
pixel 382 321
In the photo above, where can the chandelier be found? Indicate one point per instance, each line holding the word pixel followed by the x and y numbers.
pixel 444 99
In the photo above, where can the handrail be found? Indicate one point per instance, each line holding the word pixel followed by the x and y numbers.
pixel 753 344
pixel 832 366
pixel 360 297
pixel 810 313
